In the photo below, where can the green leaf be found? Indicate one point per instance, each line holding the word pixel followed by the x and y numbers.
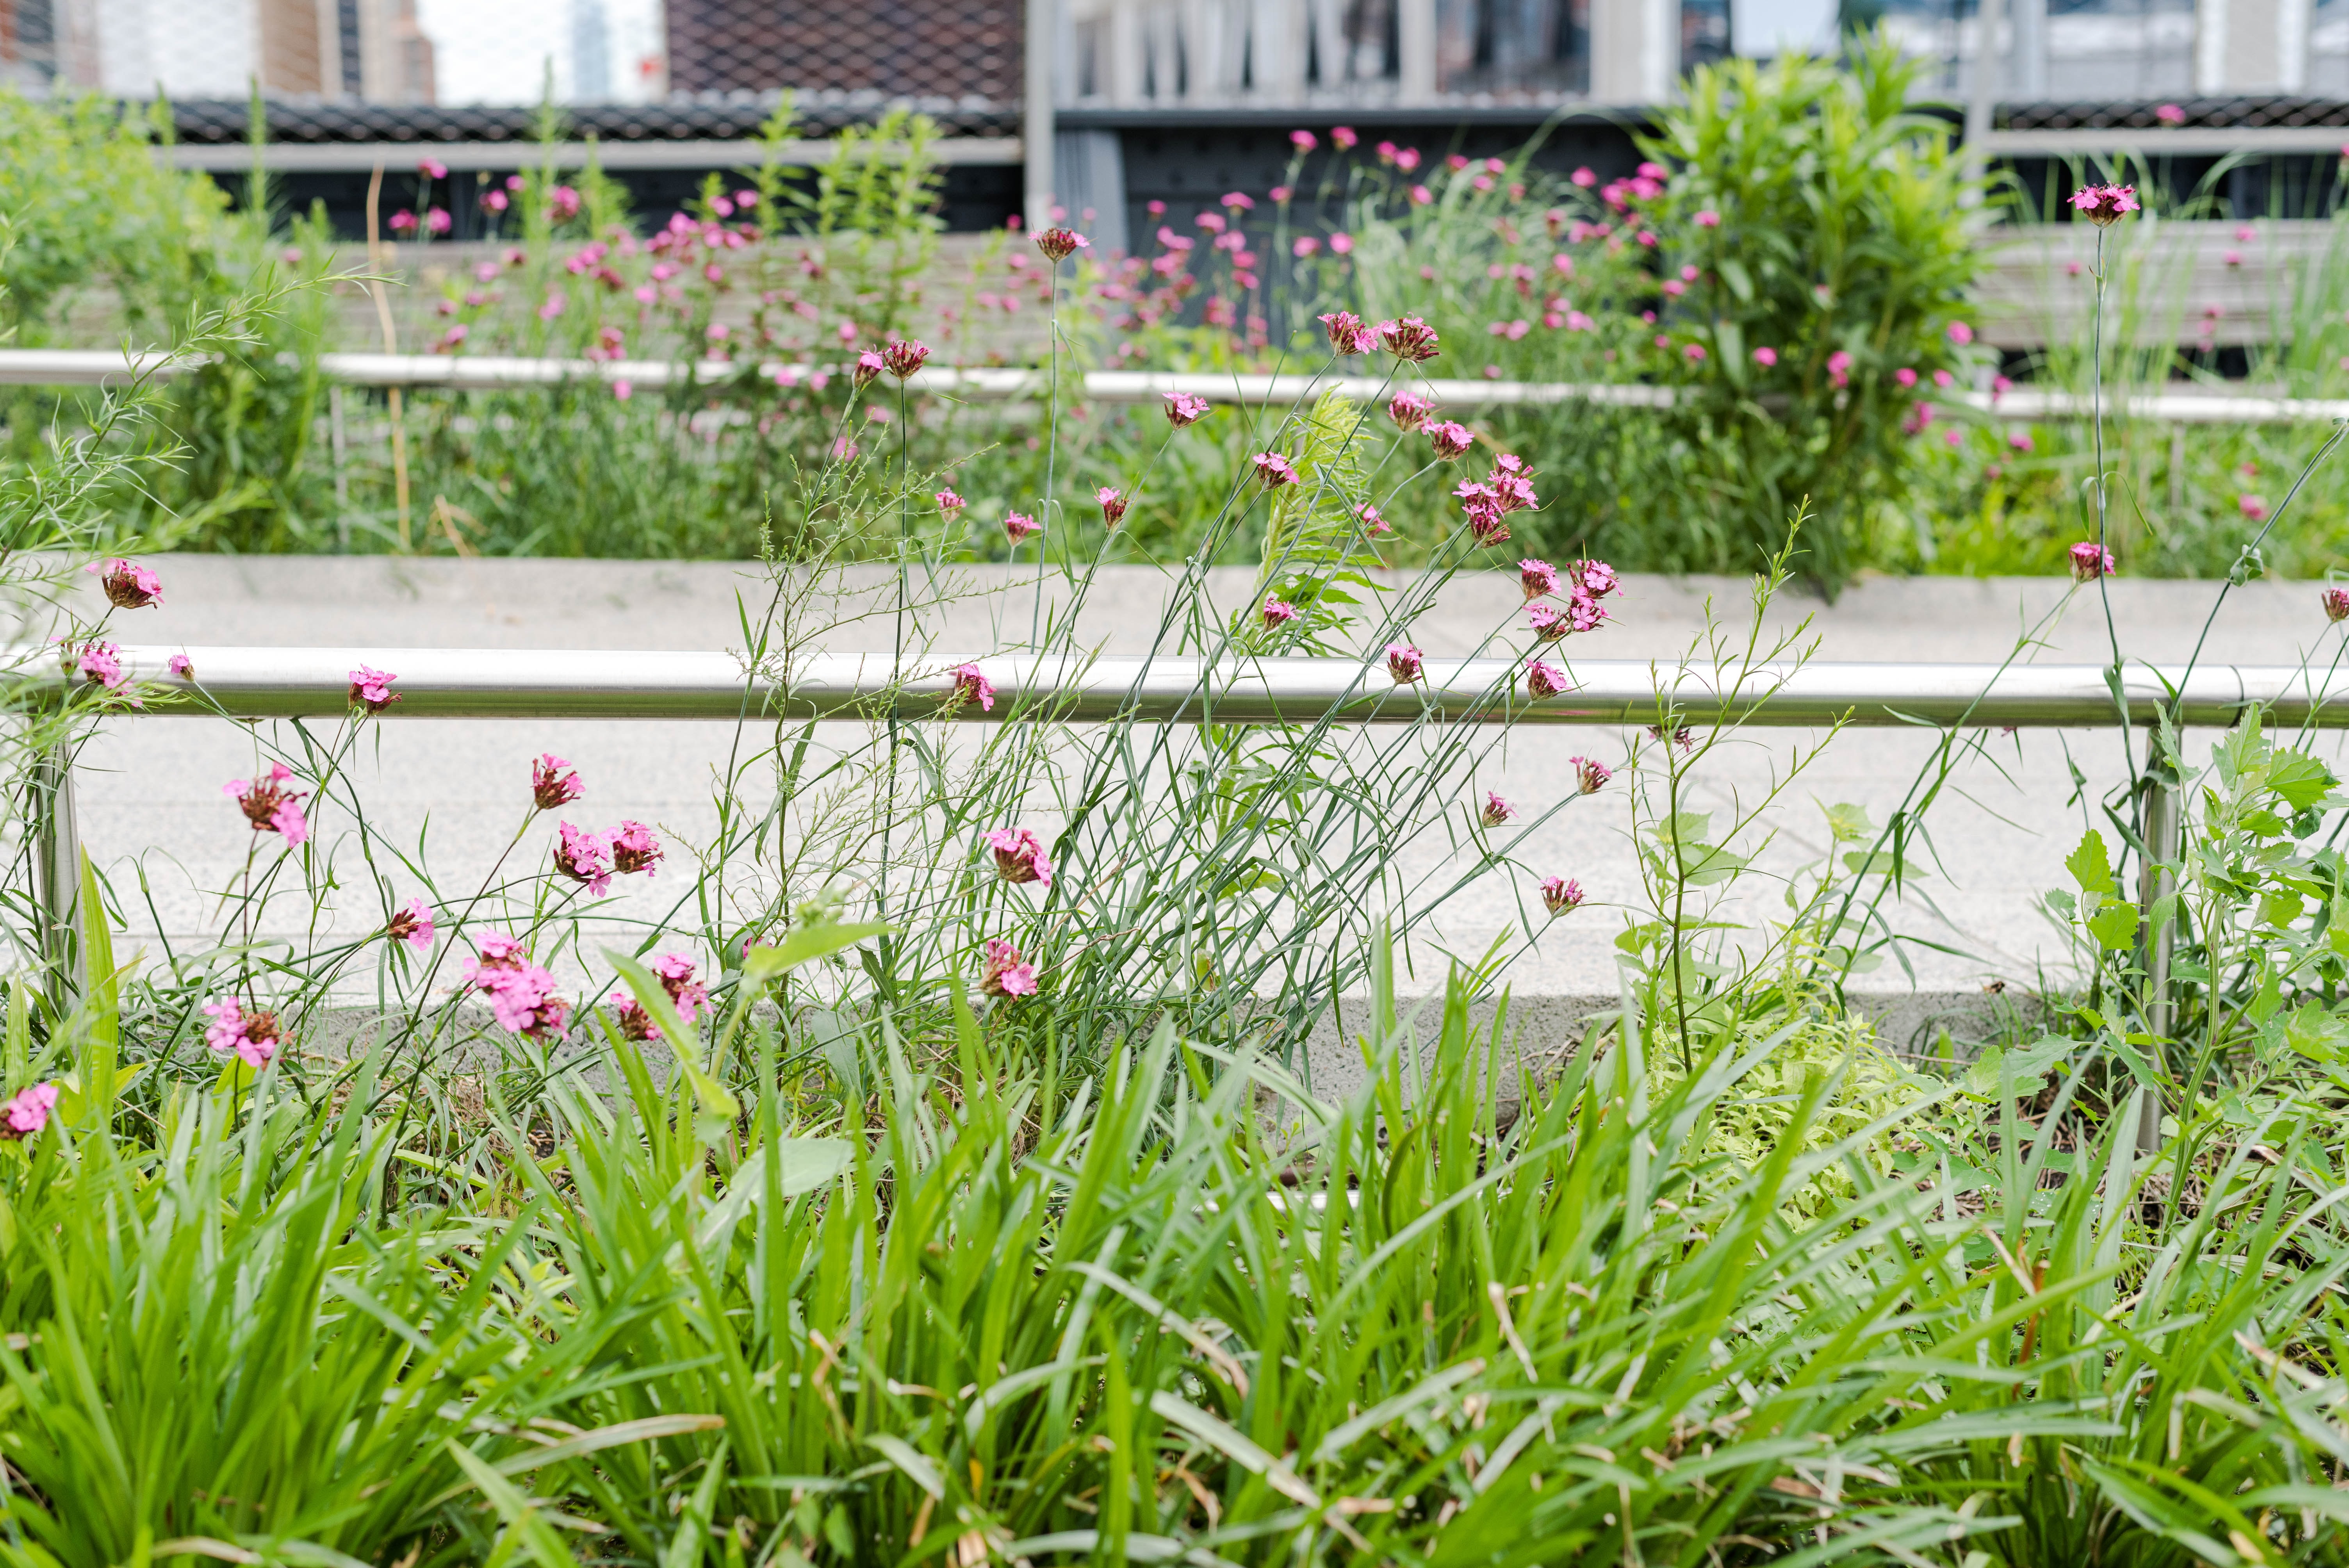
pixel 1741 282
pixel 2090 865
pixel 1849 823
pixel 2114 925
pixel 2299 779
pixel 804 945
pixel 2315 1032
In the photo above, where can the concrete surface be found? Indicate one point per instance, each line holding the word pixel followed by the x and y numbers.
pixel 453 793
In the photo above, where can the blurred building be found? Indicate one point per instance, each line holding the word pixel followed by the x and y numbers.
pixel 958 50
pixel 359 49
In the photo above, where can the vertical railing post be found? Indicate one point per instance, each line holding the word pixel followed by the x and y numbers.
pixel 56 873
pixel 2156 882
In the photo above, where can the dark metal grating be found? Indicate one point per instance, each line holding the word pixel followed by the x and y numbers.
pixel 2227 113
pixel 717 116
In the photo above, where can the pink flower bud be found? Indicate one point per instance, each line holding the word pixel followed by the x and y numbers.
pixel 1589 776
pixel 1405 663
pixel 1560 894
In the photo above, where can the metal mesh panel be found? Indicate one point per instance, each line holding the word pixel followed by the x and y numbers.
pixel 332 61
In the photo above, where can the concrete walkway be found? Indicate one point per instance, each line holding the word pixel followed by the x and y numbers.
pixel 154 818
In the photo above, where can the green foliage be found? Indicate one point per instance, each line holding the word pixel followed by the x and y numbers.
pixel 1837 241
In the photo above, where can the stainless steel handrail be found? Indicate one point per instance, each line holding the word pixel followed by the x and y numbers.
pixel 487 372
pixel 501 683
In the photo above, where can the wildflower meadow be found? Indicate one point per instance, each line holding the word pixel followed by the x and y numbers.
pixel 927 1161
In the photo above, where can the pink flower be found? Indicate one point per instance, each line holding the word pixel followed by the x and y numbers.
pixel 623 389
pixel 1839 369
pixel 1496 810
pixel 2090 560
pixel 403 221
pixel 563 204
pixel 2019 439
pixel 971 684
pixel 1405 663
pixel 1407 160
pixel 2170 114
pixel 869 366
pixel 27 1112
pixel 252 1037
pixel 1347 333
pixel 1559 895
pixel 1342 137
pixel 1694 351
pixel 552 306
pixel 1274 470
pixel 1183 409
pixel 1018 856
pixel 269 806
pixel 521 994
pixel 1547 623
pixel 493 201
pixel 183 666
pixel 1598 578
pixel 1450 438
pixel 1342 243
pixel 584 857
pixel 371 689
pixel 411 924
pixel 2253 507
pixel 1003 972
pixel 843 450
pixel 1905 378
pixel 1944 380
pixel 551 786
pixel 1707 218
pixel 1410 410
pixel 1537 578
pixel 1113 505
pixel 949 502
pixel 634 848
pixel 1589 777
pixel 2336 604
pixel 902 358
pixel 1018 525
pixel 1303 140
pixel 432 168
pixel 1409 339
pixel 101 665
pixel 437 220
pixel 2245 234
pixel 2105 205
pixel 128 586
pixel 1305 245
pixel 1373 523
pixel 1277 613
pixel 1059 244
pixel 1960 334
pixel 674 971
pixel 1545 680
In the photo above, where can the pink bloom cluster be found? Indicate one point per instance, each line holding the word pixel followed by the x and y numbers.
pixel 1410 410
pixel 1546 680
pixel 371 689
pixel 1184 408
pixel 1508 488
pixel 269 806
pixel 1646 185
pixel 1450 438
pixel 521 994
pixel 2336 604
pixel 27 1112
pixel 411 924
pixel 592 859
pixel 1018 525
pixel 1496 810
pixel 1113 505
pixel 2090 560
pixel 1004 973
pixel 2105 205
pixel 1277 613
pixel 971 684
pixel 252 1037
pixel 1019 856
pixel 674 971
pixel 1560 894
pixel 1409 339
pixel 552 784
pixel 1405 663
pixel 1347 334
pixel 1589 776
pixel 1274 470
pixel 100 663
pixel 128 585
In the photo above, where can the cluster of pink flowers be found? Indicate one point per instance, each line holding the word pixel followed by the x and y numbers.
pixel 371 689
pixel 1059 244
pixel 27 1110
pixel 1589 776
pixel 1019 856
pixel 1450 438
pixel 2105 205
pixel 1274 470
pixel 1411 411
pixel 1183 409
pixel 252 1037
pixel 411 924
pixel 521 994
pixel 2090 560
pixel 1409 339
pixel 552 784
pixel 676 972
pixel 1113 505
pixel 1488 502
pixel 1496 810
pixel 1560 894
pixel 971 684
pixel 1018 525
pixel 1546 680
pixel 1586 584
pixel 1003 972
pixel 128 585
pixel 100 663
pixel 592 859
pixel 269 806
pixel 1347 334
pixel 1405 663
pixel 2336 604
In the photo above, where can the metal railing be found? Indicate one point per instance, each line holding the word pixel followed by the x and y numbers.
pixel 485 373
pixel 252 682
